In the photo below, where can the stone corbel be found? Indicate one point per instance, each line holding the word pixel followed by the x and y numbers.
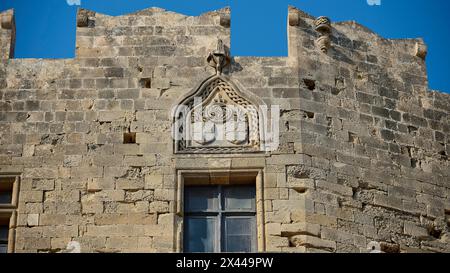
pixel 323 26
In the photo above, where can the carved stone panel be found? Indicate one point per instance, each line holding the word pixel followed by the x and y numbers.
pixel 217 118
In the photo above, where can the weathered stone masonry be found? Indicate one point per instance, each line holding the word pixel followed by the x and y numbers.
pixel 364 144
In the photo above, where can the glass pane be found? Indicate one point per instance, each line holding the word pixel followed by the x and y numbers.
pixel 5 197
pixel 239 198
pixel 3 248
pixel 240 234
pixel 201 199
pixel 200 234
pixel 4 230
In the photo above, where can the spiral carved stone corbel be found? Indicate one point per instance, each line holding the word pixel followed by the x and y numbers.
pixel 323 26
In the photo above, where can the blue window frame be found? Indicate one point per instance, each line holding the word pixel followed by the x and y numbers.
pixel 220 219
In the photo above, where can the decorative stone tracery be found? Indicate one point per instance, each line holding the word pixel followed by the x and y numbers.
pixel 217 118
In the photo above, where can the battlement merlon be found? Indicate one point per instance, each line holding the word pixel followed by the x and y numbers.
pixel 7 34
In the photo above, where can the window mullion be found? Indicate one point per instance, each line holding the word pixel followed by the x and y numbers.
pixel 219 221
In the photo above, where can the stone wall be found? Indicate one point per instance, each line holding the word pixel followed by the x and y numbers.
pixel 363 150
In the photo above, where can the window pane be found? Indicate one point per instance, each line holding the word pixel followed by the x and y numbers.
pixel 240 234
pixel 3 248
pixel 201 199
pixel 5 197
pixel 200 234
pixel 4 230
pixel 6 189
pixel 239 198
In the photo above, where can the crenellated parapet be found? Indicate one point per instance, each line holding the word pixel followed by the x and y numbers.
pixel 342 143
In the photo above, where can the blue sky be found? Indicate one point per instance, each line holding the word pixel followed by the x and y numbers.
pixel 46 28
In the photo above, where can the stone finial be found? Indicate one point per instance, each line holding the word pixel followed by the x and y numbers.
pixel 225 20
pixel 84 18
pixel 219 58
pixel 8 20
pixel 421 50
pixel 294 18
pixel 323 26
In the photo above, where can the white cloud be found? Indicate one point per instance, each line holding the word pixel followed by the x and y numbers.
pixel 374 2
pixel 74 2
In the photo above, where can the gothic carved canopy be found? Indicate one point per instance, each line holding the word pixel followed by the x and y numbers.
pixel 217 118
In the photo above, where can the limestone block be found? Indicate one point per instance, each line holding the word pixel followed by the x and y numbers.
pixel 129 184
pixel 33 220
pixel 86 172
pixel 40 173
pixel 159 207
pixel 278 217
pixel 153 181
pixel 109 116
pixel 52 219
pixel 31 196
pixel 323 220
pixel 121 242
pixel 28 150
pixel 60 231
pixel 156 230
pixel 273 229
pixel 43 184
pixel 167 219
pixel 273 243
pixel 288 205
pixel 92 207
pixel 164 194
pixel 98 184
pixel 127 218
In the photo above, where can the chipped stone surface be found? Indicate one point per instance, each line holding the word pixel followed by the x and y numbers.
pixel 364 144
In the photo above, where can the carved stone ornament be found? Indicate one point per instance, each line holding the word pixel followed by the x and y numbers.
pixel 219 58
pixel 323 43
pixel 217 118
pixel 323 26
